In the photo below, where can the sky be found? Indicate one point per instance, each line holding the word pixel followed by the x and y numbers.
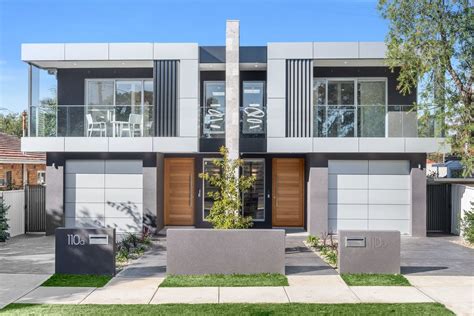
pixel 201 21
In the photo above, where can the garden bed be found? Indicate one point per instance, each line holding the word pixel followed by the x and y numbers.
pixel 130 248
pixel 232 280
pixel 325 247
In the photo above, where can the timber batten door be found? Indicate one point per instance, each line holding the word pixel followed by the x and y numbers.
pixel 179 191
pixel 288 192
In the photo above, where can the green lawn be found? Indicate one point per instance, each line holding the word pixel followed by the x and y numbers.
pixel 74 280
pixel 229 309
pixel 262 279
pixel 375 279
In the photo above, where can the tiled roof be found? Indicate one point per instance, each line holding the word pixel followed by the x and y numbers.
pixel 10 151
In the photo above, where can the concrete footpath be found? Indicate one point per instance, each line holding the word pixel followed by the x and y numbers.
pixel 455 293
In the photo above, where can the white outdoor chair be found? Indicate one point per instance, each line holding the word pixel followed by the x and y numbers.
pixel 133 125
pixel 95 126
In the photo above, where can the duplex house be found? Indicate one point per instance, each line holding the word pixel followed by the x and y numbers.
pixel 321 125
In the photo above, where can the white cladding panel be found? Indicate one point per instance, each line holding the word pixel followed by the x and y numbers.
pixel 369 194
pixel 104 193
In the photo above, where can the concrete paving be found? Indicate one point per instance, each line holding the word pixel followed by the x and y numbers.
pixel 436 255
pixel 125 291
pixel 321 294
pixel 390 294
pixel 26 261
pixel 14 286
pixel 186 295
pixel 56 295
pixel 29 254
pixel 455 292
pixel 299 260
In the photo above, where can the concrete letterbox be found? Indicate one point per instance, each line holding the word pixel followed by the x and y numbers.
pixel 85 251
pixel 369 251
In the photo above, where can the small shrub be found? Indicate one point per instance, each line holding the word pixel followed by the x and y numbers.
pixel 313 241
pixel 331 256
pixel 467 225
pixel 132 239
pixel 122 255
pixel 4 235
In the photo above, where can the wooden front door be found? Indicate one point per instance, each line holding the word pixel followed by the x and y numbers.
pixel 179 191
pixel 288 192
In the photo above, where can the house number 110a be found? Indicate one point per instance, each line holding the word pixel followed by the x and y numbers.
pixel 75 240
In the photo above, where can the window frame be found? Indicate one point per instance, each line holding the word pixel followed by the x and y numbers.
pixel 356 105
pixel 221 134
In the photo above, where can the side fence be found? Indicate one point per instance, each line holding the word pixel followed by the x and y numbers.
pixel 462 196
pixel 16 213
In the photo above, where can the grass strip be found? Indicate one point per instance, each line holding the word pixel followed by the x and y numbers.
pixel 230 309
pixel 231 280
pixel 375 279
pixel 75 280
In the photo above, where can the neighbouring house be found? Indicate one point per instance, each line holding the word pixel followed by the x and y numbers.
pixel 332 143
pixel 18 168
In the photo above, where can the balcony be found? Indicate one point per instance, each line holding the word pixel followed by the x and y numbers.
pixel 372 121
pixel 91 121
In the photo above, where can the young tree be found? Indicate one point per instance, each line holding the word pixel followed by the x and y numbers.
pixel 432 43
pixel 226 211
pixel 4 235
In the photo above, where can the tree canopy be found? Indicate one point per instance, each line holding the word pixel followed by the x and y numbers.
pixel 432 43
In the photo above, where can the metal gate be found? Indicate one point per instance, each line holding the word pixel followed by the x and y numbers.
pixel 35 220
pixel 438 207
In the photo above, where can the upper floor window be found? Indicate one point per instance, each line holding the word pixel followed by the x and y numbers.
pixel 253 112
pixel 349 107
pixel 119 108
pixel 213 110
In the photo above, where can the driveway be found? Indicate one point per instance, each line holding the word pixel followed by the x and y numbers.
pixel 25 262
pixel 437 255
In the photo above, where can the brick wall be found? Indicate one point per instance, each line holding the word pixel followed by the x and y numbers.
pixel 17 173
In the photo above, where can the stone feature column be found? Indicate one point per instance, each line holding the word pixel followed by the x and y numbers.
pixel 232 82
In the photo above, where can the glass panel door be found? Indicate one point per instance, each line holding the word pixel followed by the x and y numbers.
pixel 253 201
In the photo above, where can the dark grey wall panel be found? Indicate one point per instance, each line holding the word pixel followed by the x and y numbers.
pixel 298 97
pixel 166 96
pixel 393 96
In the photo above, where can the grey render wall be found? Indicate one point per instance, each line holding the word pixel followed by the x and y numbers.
pixel 317 205
pixel 160 222
pixel 150 197
pixel 418 202
pixel 54 195
pixel 211 251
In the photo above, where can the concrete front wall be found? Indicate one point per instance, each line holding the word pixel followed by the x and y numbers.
pixel 55 190
pixel 212 251
pixel 317 196
pixel 378 253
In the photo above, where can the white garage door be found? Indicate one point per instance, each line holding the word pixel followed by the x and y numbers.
pixel 104 193
pixel 369 194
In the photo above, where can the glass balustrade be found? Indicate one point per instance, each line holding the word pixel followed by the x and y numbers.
pixel 91 121
pixel 372 121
